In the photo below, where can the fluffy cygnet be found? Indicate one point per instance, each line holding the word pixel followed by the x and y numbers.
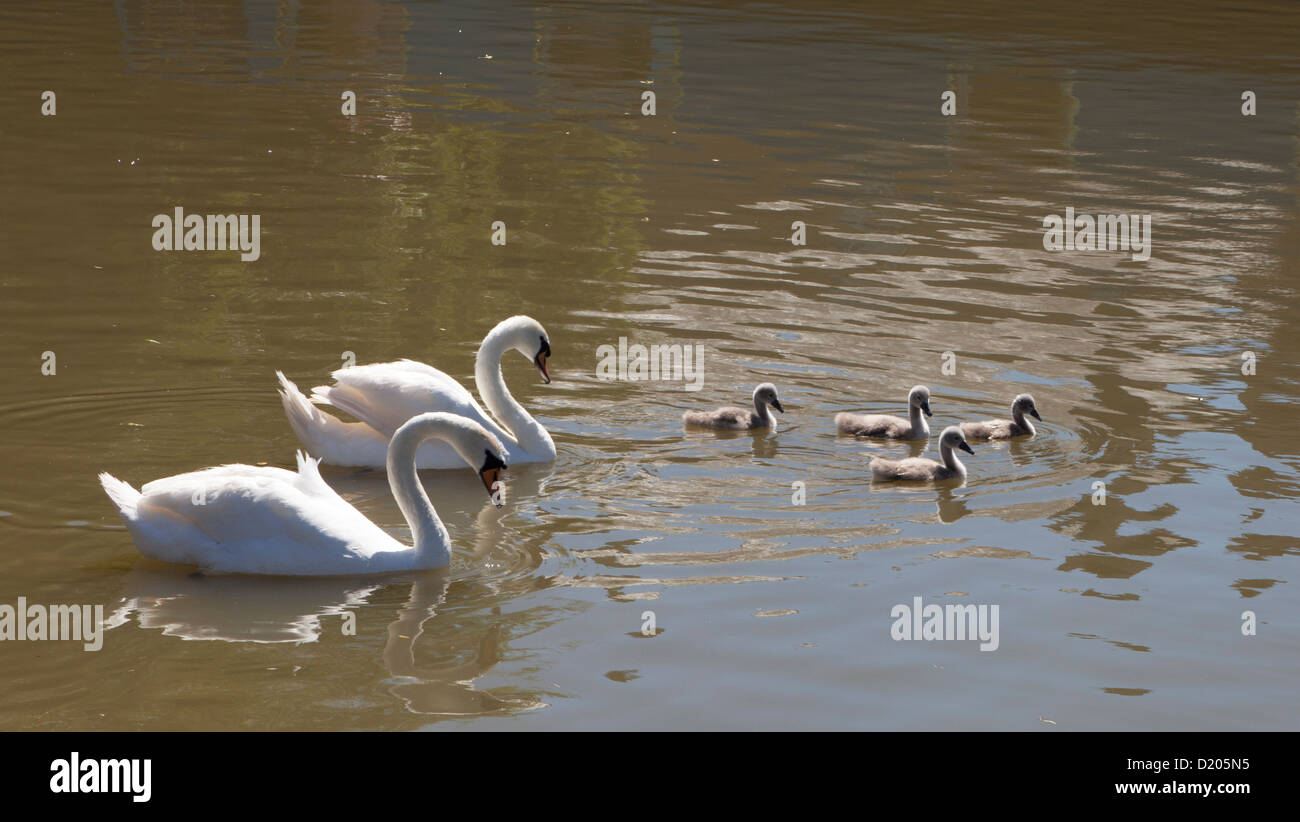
pixel 1006 429
pixel 923 469
pixel 741 419
pixel 886 425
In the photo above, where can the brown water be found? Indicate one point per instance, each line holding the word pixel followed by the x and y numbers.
pixel 924 236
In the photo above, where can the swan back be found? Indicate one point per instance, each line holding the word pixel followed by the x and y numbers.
pixel 386 395
pixel 251 519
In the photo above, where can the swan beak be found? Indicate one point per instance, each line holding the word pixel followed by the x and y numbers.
pixel 495 488
pixel 1034 411
pixel 541 366
pixel 777 405
pixel 925 406
pixel 963 446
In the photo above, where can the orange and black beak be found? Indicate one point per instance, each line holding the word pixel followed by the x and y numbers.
pixel 540 361
pixel 491 475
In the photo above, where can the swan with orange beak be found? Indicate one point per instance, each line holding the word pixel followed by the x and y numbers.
pixel 383 396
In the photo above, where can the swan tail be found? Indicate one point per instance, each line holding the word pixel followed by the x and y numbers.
pixel 349 401
pixel 847 423
pixel 309 479
pixel 328 437
pixel 307 421
pixel 321 395
pixel 122 494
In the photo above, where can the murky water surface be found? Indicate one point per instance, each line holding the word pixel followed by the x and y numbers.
pixel 924 236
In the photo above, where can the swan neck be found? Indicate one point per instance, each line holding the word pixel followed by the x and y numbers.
pixel 523 430
pixel 430 535
pixel 917 418
pixel 1020 419
pixel 950 460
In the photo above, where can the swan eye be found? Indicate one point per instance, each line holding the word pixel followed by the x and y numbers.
pixel 491 461
pixel 545 349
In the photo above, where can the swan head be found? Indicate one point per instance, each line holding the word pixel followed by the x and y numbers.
pixel 1025 404
pixel 919 397
pixel 765 394
pixel 490 473
pixel 526 335
pixel 953 438
pixel 483 452
pixel 477 446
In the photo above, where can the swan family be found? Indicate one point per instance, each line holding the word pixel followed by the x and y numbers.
pixel 409 416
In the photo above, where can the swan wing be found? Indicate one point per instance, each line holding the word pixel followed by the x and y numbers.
pixel 249 519
pixel 386 395
pixel 726 417
pixel 912 468
pixel 873 425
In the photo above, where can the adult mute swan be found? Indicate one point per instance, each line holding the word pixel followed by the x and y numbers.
pixel 886 425
pixel 385 395
pixel 740 419
pixel 921 468
pixel 1006 429
pixel 242 519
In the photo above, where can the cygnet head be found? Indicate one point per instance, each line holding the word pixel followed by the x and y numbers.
pixel 919 397
pixel 1025 405
pixel 953 438
pixel 766 394
pixel 526 335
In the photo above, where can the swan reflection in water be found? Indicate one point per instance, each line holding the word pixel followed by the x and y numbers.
pixel 763 442
pixel 297 610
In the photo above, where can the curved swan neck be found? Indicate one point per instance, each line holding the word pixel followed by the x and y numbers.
pixel 525 431
pixel 917 418
pixel 950 460
pixel 430 535
pixel 1019 416
pixel 764 412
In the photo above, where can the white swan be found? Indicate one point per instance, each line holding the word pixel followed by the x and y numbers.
pixel 385 395
pixel 242 519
